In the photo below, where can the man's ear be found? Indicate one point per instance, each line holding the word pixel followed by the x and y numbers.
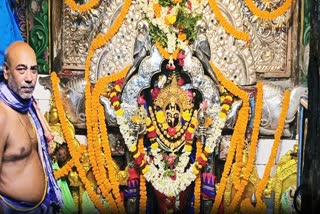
pixel 5 70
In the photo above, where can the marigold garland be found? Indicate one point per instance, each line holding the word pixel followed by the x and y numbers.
pixel 63 171
pixel 102 39
pixel 253 146
pixel 143 187
pixel 197 185
pixel 238 138
pixel 68 137
pixel 83 7
pixel 226 25
pixel 277 139
pixel 91 113
pixel 165 54
pixel 105 179
pixel 266 14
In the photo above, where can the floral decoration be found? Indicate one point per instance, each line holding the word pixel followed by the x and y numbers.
pixel 172 23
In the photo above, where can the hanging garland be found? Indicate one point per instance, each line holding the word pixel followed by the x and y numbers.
pixel 226 25
pixel 237 137
pixel 246 205
pixel 253 147
pixel 197 185
pixel 268 15
pixel 75 156
pixel 105 179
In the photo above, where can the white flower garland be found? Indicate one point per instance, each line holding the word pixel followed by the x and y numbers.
pixel 156 173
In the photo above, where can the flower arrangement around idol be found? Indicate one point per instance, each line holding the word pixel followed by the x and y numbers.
pixel 172 24
pixel 169 109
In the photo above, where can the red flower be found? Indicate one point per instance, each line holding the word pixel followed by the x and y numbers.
pixel 155 93
pixel 139 159
pixel 152 134
pixel 174 177
pixel 180 81
pixel 141 100
pixel 119 82
pixel 188 135
pixel 114 99
pixel 201 161
pixel 181 57
pixel 172 131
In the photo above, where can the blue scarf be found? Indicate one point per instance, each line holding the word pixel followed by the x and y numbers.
pixel 23 106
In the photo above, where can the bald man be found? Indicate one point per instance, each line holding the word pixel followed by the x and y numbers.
pixel 27 184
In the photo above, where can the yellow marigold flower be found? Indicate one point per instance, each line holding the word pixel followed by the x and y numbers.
pixel 198 165
pixel 157 10
pixel 145 170
pixel 190 129
pixel 207 149
pixel 226 106
pixel 154 146
pixel 119 112
pixel 136 155
pixel 195 170
pixel 117 88
pixel 133 148
pixel 150 129
pixel 229 97
pixel 176 1
pixel 188 148
pixel 182 36
pixel 113 94
pixel 116 103
pixel 194 121
pixel 222 115
pixel 222 98
pixel 165 125
pixel 170 20
pixel 204 157
pixel 160 116
pixel 148 121
pixel 186 115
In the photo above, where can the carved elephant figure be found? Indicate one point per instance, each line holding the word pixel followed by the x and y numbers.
pixel 272 103
pixel 73 99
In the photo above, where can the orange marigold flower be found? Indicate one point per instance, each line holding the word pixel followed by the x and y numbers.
pixel 157 10
pixel 182 36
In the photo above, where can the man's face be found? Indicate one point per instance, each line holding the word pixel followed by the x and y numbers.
pixel 21 72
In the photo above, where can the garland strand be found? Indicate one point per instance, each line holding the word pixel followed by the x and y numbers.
pixel 226 25
pixel 106 179
pixel 253 146
pixel 143 187
pixel 75 156
pixel 246 205
pixel 268 15
pixel 197 186
pixel 277 140
pixel 83 7
pixel 237 141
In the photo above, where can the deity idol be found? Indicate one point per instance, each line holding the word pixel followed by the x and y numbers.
pixel 170 117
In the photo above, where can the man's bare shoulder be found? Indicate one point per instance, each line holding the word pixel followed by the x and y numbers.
pixel 4 114
pixel 4 124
